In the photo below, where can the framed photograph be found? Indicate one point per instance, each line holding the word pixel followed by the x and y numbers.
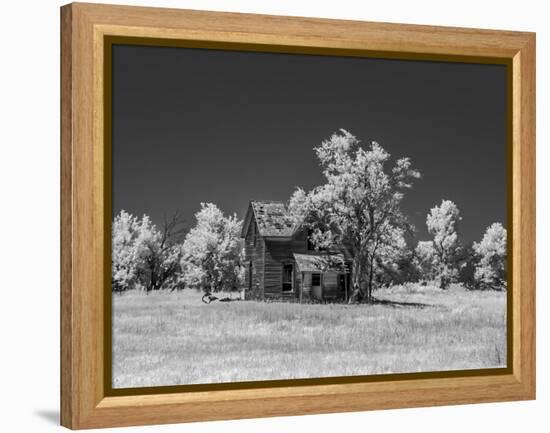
pixel 266 216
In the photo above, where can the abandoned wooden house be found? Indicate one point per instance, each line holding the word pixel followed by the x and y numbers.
pixel 282 263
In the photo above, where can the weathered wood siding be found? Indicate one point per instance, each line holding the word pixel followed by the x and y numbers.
pixel 299 243
pixel 297 281
pixel 330 285
pixel 267 258
pixel 276 253
pixel 306 285
pixel 254 256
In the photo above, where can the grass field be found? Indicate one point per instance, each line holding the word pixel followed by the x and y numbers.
pixel 173 338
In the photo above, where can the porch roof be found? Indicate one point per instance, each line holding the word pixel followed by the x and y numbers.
pixel 321 263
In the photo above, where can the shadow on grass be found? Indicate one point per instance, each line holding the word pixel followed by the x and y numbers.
pixel 397 304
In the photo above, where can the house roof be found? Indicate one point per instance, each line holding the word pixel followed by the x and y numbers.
pixel 272 218
pixel 321 262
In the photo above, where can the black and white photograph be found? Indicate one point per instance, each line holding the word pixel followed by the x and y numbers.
pixel 295 216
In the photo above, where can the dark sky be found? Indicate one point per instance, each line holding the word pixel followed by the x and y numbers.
pixel 193 126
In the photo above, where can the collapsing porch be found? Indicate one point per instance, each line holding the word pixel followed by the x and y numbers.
pixel 322 277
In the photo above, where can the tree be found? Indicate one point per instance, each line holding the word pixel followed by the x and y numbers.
pixel 426 260
pixel 159 252
pixel 125 230
pixel 358 208
pixel 468 261
pixel 142 255
pixel 393 258
pixel 442 223
pixel 213 251
pixel 490 270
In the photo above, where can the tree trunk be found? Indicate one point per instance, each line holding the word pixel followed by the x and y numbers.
pixel 444 280
pixel 371 263
pixel 369 287
pixel 357 294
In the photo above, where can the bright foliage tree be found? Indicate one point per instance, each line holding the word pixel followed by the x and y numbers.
pixel 125 231
pixel 426 260
pixel 144 256
pixel 358 208
pixel 213 251
pixel 490 269
pixel 442 223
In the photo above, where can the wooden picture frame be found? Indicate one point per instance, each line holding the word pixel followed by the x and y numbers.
pixel 86 400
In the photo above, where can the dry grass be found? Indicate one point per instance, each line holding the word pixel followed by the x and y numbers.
pixel 173 338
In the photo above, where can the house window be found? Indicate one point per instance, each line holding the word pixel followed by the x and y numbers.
pixel 288 274
pixel 315 279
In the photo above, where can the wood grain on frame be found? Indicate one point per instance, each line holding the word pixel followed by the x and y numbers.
pixel 84 403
